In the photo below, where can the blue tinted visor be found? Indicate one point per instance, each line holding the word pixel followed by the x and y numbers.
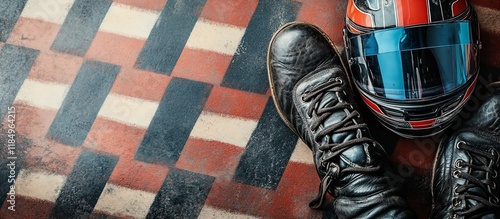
pixel 406 63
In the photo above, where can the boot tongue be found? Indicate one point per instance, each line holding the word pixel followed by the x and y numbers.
pixel 355 155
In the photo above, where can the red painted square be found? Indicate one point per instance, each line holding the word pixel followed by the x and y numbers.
pixel 55 67
pixel 236 102
pixel 199 65
pixel 33 33
pixel 268 92
pixel 155 5
pixel 113 137
pixel 33 122
pixel 27 208
pixel 239 197
pixel 418 153
pixel 51 156
pixel 298 186
pixel 327 15
pixel 140 84
pixel 116 49
pixel 138 175
pixel 205 157
pixel 237 12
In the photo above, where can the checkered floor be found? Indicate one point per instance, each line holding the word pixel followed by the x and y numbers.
pixel 161 109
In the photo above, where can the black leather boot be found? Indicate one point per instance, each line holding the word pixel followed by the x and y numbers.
pixel 313 96
pixel 465 180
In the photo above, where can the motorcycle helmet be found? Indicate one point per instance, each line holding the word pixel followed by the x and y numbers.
pixel 414 62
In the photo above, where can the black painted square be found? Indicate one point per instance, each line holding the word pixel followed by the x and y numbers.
pixel 182 195
pixel 84 185
pixel 172 123
pixel 169 36
pixel 15 64
pixel 82 103
pixel 267 152
pixel 80 26
pixel 248 67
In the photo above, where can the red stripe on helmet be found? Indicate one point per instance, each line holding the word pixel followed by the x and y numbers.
pixel 412 12
pixel 354 30
pixel 372 105
pixel 423 123
pixel 458 7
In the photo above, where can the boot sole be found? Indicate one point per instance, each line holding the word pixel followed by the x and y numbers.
pixel 273 94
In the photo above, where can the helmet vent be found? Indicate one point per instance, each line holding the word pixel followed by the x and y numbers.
pixel 397 114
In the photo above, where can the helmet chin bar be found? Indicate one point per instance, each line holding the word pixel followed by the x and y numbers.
pixel 439 113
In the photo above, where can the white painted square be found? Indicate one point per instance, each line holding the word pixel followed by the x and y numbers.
pixel 128 110
pixel 208 212
pixel 302 153
pixel 215 37
pixel 54 11
pixel 39 185
pixel 46 95
pixel 118 200
pixel 216 127
pixel 129 21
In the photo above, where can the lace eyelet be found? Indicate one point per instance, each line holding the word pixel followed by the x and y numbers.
pixel 339 79
pixel 455 174
pixel 458 163
pixel 457 202
pixel 494 186
pixel 455 190
pixel 460 143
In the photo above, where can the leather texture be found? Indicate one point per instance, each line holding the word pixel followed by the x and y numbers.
pixel 313 96
pixel 465 180
pixel 295 51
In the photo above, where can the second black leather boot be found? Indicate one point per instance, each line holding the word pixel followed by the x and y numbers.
pixel 465 181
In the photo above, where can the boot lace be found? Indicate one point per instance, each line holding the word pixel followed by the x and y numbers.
pixel 349 123
pixel 489 161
